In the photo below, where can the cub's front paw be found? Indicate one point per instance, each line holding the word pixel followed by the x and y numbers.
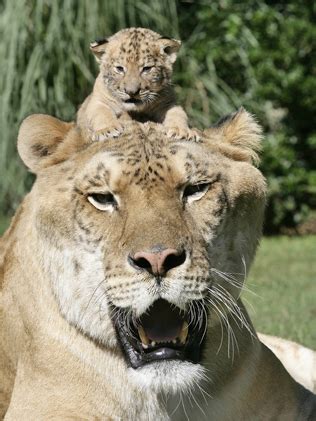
pixel 183 133
pixel 111 130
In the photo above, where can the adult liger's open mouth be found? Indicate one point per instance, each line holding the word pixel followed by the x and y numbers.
pixel 164 332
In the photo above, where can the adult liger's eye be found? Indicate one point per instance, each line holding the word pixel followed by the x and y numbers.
pixel 103 201
pixel 147 69
pixel 194 192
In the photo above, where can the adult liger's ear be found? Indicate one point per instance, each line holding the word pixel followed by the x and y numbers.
pixel 237 136
pixel 170 47
pixel 44 141
pixel 98 48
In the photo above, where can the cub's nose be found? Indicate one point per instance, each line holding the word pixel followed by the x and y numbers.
pixel 158 262
pixel 132 90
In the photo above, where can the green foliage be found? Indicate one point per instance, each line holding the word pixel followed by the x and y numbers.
pixel 259 54
pixel 4 223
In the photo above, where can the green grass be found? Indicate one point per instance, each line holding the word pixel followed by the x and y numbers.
pixel 284 280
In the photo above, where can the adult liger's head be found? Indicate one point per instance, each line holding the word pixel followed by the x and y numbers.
pixel 135 234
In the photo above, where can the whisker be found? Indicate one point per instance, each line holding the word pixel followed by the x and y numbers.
pixel 234 307
pixel 228 277
pixel 231 337
pixel 221 324
pixel 183 406
pixel 89 302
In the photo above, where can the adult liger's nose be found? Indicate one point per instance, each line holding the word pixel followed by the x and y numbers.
pixel 158 263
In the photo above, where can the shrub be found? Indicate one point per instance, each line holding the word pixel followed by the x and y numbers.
pixel 260 54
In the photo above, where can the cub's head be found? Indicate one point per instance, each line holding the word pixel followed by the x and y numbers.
pixel 136 66
pixel 139 235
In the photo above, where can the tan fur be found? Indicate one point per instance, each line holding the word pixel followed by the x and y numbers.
pixel 135 50
pixel 63 260
pixel 299 361
pixel 241 134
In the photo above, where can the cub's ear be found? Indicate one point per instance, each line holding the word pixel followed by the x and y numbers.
pixel 44 140
pixel 170 47
pixel 98 48
pixel 238 136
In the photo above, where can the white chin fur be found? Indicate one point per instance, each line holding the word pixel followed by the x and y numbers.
pixel 128 106
pixel 168 377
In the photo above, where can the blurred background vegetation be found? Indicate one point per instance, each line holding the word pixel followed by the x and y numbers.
pixel 255 53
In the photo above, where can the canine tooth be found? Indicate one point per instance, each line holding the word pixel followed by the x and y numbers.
pixel 174 341
pixel 144 346
pixel 184 333
pixel 153 343
pixel 143 336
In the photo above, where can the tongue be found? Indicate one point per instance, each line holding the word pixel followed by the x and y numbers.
pixel 162 323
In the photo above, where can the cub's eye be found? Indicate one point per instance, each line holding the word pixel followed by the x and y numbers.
pixel 147 69
pixel 194 192
pixel 119 69
pixel 103 201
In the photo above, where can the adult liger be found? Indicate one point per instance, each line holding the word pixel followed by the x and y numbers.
pixel 121 275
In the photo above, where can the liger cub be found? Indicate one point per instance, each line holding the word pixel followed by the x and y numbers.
pixel 134 83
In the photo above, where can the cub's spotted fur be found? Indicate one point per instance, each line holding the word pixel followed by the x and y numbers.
pixel 134 83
